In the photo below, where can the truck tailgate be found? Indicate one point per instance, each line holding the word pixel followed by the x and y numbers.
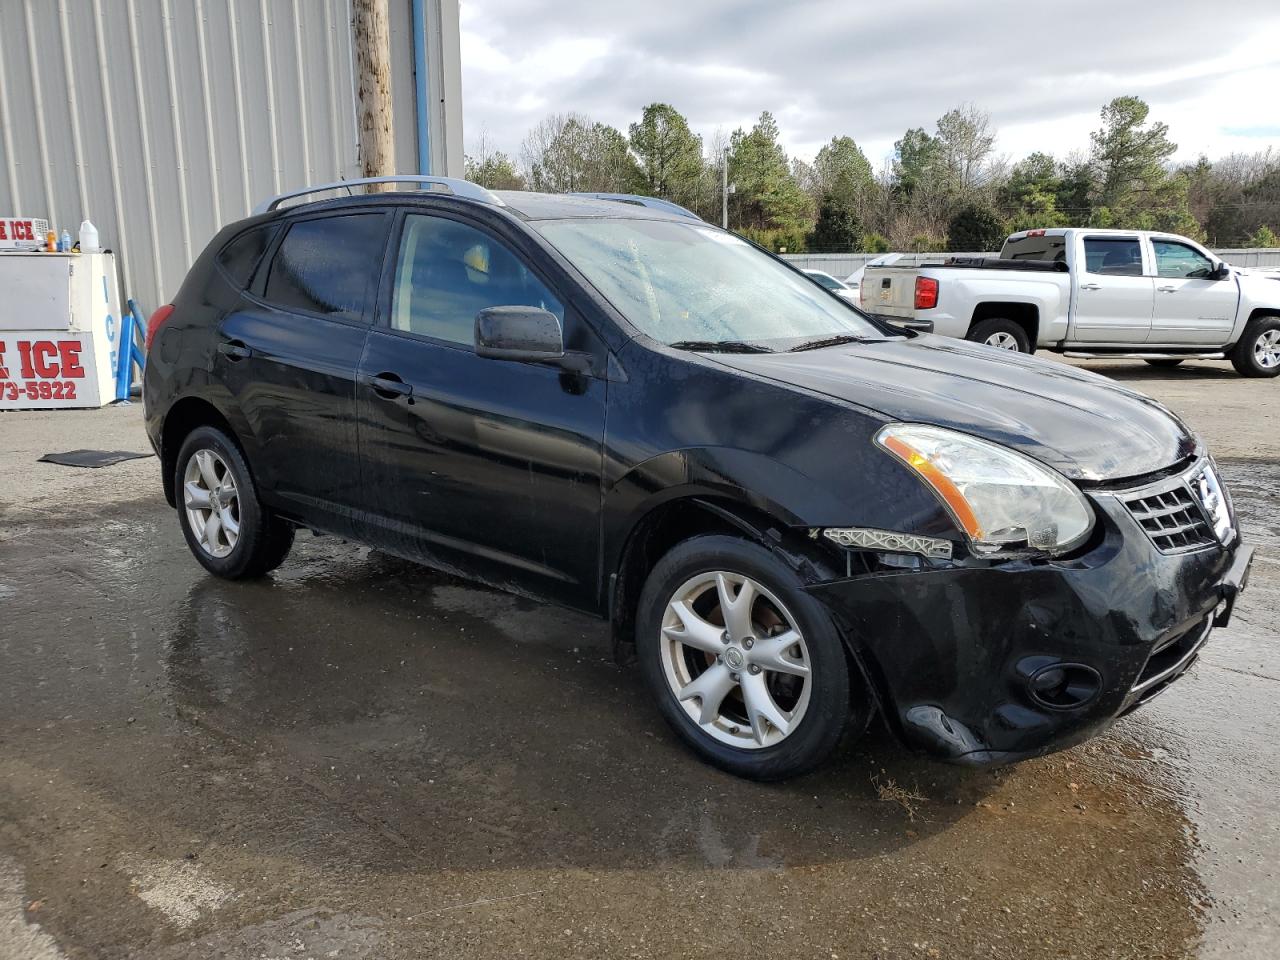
pixel 889 291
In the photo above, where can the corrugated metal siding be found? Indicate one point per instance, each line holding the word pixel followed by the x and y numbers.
pixel 163 120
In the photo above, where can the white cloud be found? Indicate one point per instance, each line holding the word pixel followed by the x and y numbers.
pixel 834 67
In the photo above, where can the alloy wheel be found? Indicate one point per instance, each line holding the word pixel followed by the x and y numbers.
pixel 735 660
pixel 212 502
pixel 1267 350
pixel 1002 341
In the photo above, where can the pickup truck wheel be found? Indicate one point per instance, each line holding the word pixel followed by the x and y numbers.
pixel 1258 352
pixel 746 666
pixel 1001 334
pixel 1166 362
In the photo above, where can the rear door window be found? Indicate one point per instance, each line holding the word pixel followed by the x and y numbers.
pixel 329 265
pixel 1113 256
pixel 1180 262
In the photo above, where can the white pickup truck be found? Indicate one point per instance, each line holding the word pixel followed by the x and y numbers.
pixel 1091 293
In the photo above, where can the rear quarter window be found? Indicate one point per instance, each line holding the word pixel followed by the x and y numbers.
pixel 239 258
pixel 329 265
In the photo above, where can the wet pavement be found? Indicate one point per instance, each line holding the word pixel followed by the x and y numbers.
pixel 358 757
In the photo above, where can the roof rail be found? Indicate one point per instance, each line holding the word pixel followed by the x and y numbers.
pixel 640 200
pixel 459 188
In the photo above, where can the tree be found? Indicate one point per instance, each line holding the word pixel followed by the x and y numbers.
pixel 670 155
pixel 570 152
pixel 915 161
pixel 496 172
pixel 837 229
pixel 767 196
pixel 1264 236
pixel 975 228
pixel 964 144
pixel 491 168
pixel 1030 194
pixel 1129 157
pixel 843 171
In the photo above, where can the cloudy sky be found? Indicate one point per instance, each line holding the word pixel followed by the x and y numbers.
pixel 871 70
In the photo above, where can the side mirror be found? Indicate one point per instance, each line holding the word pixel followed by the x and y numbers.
pixel 1221 272
pixel 519 333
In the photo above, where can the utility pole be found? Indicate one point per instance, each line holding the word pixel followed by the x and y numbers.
pixel 724 189
pixel 372 32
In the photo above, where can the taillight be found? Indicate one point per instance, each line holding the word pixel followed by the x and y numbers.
pixel 157 318
pixel 926 293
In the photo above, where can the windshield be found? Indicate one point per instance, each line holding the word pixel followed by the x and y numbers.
pixel 687 284
pixel 831 283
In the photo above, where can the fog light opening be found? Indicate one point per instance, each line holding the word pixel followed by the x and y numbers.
pixel 1064 686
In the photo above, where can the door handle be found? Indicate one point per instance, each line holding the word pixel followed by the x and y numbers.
pixel 1090 286
pixel 390 386
pixel 235 350
pixel 1169 289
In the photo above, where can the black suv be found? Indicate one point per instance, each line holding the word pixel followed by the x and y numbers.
pixel 792 515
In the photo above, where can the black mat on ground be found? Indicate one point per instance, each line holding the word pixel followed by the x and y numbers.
pixel 92 458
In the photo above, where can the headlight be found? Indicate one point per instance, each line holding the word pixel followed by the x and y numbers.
pixel 1003 501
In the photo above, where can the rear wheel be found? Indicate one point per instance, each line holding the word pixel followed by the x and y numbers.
pixel 746 667
pixel 1002 334
pixel 1258 352
pixel 1166 362
pixel 223 521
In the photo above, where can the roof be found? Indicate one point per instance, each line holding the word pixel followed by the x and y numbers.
pixel 560 206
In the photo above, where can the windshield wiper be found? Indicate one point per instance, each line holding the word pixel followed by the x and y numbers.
pixel 827 342
pixel 720 346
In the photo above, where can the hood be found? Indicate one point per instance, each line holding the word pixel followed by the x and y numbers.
pixel 1083 425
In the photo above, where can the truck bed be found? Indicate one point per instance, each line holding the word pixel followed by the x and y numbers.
pixel 995 263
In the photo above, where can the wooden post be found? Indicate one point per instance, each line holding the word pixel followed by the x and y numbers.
pixel 371 30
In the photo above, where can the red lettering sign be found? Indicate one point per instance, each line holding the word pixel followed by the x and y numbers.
pixel 4 371
pixel 42 353
pixel 69 351
pixel 47 360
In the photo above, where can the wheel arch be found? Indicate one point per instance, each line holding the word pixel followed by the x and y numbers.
pixel 1261 313
pixel 186 415
pixel 1025 315
pixel 682 517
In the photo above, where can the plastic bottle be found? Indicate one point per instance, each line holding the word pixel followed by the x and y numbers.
pixel 89 238
pixel 64 242
pixel 51 242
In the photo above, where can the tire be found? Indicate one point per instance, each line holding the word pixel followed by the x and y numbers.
pixel 818 709
pixel 1007 334
pixel 1169 362
pixel 1258 352
pixel 261 540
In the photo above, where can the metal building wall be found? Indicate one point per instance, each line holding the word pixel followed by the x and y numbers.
pixel 163 120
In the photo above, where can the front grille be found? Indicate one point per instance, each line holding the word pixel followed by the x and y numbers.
pixel 1172 518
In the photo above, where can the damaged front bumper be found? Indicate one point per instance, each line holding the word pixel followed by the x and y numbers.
pixel 990 663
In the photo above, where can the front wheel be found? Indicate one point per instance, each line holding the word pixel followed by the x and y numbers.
pixel 1258 352
pixel 746 667
pixel 1002 334
pixel 223 521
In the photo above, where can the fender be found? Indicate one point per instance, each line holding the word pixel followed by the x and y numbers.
pixel 767 486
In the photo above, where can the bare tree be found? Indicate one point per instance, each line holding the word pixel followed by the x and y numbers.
pixel 965 142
